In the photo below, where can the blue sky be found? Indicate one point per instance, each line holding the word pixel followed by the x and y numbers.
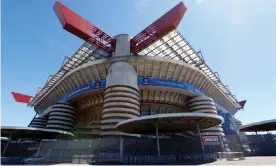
pixel 236 37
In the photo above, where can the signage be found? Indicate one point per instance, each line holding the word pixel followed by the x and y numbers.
pixel 141 81
pixel 152 81
pixel 88 87
pixel 229 125
pixel 210 139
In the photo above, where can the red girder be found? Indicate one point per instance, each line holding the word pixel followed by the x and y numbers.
pixel 78 26
pixel 158 29
pixel 242 103
pixel 22 98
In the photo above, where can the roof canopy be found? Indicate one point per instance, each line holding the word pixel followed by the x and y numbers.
pixel 35 133
pixel 172 122
pixel 159 39
pixel 268 125
pixel 175 46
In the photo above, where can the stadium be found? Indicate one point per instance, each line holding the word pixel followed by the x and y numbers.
pixel 122 97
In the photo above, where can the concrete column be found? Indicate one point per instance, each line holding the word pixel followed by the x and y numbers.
pixel 122 45
pixel 121 98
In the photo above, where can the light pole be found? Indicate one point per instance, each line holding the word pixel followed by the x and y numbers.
pixel 202 146
pixel 157 138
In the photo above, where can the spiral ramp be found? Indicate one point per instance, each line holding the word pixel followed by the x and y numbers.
pixel 121 98
pixel 39 122
pixel 62 117
pixel 120 103
pixel 207 105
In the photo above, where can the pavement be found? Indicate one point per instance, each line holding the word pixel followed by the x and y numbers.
pixel 268 160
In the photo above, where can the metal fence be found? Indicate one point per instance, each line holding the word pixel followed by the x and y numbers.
pixel 262 145
pixel 21 149
pixel 129 150
pixel 176 150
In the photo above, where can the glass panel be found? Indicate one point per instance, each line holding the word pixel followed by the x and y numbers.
pixel 166 38
pixel 189 52
pixel 182 43
pixel 175 47
pixel 186 48
pixel 179 51
pixel 177 39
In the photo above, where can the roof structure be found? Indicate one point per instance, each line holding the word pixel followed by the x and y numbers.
pixel 178 122
pixel 161 38
pixel 268 125
pixel 87 52
pixel 35 133
pixel 175 46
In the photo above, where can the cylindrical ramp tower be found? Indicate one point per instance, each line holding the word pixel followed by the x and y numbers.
pixel 39 122
pixel 207 105
pixel 62 117
pixel 121 99
pixel 238 124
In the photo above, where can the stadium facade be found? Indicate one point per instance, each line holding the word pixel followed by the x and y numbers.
pixel 113 82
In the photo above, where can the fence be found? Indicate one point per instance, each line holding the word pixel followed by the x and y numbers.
pixel 262 145
pixel 21 149
pixel 12 160
pixel 136 150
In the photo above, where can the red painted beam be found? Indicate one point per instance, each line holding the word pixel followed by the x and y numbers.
pixel 21 98
pixel 78 26
pixel 158 29
pixel 242 103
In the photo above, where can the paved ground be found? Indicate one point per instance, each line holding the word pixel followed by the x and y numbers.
pixel 248 161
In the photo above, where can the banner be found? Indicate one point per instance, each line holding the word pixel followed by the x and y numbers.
pixel 210 139
pixel 141 81
pixel 152 81
pixel 88 87
pixel 229 126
